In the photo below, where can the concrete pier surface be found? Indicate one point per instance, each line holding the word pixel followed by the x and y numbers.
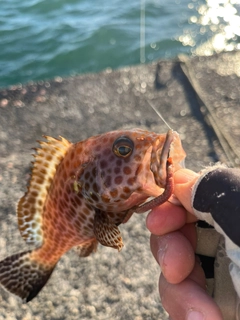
pixel 199 97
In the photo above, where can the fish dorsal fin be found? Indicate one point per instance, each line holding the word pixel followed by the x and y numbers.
pixel 31 205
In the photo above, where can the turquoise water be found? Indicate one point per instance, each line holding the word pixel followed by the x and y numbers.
pixel 42 39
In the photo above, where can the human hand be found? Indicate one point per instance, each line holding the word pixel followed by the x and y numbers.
pixel 173 242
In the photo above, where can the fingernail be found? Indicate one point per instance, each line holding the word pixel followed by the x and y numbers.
pixel 195 315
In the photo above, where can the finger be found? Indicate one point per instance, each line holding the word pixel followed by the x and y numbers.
pixel 185 175
pixel 187 300
pixel 190 232
pixel 184 180
pixel 197 274
pixel 166 218
pixel 174 254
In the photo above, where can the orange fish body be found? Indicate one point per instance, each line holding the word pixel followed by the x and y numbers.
pixel 78 195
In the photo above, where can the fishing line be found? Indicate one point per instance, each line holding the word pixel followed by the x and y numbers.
pixel 142 49
pixel 159 114
pixel 142 31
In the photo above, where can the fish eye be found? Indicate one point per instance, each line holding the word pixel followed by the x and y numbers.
pixel 123 147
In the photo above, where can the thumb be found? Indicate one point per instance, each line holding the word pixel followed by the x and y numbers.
pixel 184 181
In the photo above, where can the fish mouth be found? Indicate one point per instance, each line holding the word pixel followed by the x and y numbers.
pixel 159 158
pixel 162 170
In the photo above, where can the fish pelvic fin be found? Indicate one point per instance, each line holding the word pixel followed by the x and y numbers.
pixel 23 276
pixel 85 249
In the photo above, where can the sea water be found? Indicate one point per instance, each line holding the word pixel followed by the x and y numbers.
pixel 42 39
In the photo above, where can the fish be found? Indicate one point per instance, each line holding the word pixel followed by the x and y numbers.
pixel 79 193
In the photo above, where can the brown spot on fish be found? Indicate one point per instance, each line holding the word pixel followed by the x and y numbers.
pixel 114 193
pixel 87 186
pixel 131 181
pixel 117 170
pixel 103 164
pixel 95 188
pixel 87 175
pixel 98 148
pixel 105 198
pixel 137 158
pixel 95 197
pixel 108 181
pixel 127 170
pixel 124 196
pixel 118 180
pixel 86 211
pixel 126 190
pixel 119 162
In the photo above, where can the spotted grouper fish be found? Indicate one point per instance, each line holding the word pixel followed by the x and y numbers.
pixel 80 193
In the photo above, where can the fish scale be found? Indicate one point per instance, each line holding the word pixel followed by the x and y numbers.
pixel 80 193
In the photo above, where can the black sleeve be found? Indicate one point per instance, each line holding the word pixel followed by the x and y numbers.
pixel 218 193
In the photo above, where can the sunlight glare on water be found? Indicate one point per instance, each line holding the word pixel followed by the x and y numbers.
pixel 220 21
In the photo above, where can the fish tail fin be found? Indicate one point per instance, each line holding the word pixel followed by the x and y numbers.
pixel 23 276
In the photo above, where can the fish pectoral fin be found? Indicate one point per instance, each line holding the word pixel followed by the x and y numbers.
pixel 106 232
pixel 85 249
pixel 23 276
